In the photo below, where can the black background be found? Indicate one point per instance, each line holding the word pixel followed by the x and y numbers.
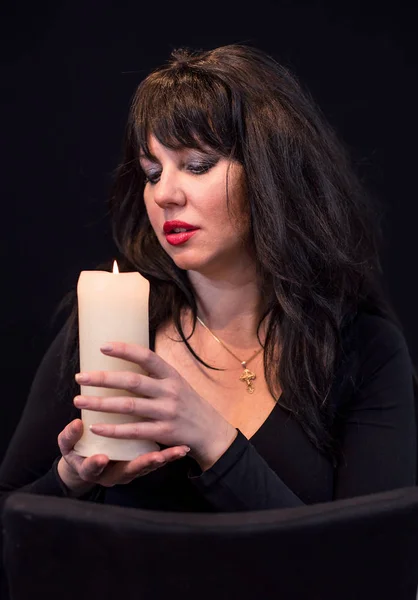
pixel 69 71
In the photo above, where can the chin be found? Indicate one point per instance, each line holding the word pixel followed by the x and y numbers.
pixel 188 265
pixel 189 261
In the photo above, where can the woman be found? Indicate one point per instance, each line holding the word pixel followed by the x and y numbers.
pixel 275 356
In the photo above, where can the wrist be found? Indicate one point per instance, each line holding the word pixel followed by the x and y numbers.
pixel 208 457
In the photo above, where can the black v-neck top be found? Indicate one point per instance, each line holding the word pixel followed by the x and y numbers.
pixel 278 466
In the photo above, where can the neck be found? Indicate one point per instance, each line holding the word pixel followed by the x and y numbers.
pixel 231 308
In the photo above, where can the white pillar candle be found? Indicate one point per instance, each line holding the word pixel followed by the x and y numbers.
pixel 111 306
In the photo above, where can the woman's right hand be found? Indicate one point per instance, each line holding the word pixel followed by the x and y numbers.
pixel 80 474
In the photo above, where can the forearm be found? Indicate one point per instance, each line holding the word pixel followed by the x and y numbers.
pixel 242 480
pixel 47 485
pixel 51 484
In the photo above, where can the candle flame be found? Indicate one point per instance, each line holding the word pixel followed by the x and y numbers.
pixel 115 267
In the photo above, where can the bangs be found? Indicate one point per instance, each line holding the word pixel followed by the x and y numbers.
pixel 184 109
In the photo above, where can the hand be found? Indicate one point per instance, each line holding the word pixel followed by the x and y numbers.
pixel 175 412
pixel 80 474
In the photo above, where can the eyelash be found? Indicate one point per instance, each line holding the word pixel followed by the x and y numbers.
pixel 200 170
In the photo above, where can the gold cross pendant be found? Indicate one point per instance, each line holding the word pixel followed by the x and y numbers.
pixel 248 376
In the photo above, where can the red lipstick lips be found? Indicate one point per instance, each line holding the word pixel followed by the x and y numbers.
pixel 175 238
pixel 170 225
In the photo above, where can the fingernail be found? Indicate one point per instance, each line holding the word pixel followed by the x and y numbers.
pixel 83 377
pixel 96 428
pixel 106 348
pixel 187 449
pixel 80 402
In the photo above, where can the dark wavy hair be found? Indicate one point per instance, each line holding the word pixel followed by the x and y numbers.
pixel 315 231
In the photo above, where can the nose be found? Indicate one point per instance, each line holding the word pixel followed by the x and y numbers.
pixel 168 190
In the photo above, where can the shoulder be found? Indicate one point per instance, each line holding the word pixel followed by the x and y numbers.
pixel 376 336
pixel 379 354
pixel 375 351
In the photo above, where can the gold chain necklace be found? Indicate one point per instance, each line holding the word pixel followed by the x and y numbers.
pixel 247 376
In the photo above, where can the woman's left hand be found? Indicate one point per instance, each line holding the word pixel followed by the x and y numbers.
pixel 177 414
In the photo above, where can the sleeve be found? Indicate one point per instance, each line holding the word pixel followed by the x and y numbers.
pixel 377 439
pixel 31 459
pixel 242 480
pixel 378 434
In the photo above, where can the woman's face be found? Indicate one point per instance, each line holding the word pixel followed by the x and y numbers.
pixel 189 185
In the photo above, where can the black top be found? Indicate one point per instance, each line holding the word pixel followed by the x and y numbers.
pixel 278 467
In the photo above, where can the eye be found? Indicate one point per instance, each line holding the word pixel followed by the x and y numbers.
pixel 195 168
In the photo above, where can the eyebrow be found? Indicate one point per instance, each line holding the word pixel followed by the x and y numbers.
pixel 153 158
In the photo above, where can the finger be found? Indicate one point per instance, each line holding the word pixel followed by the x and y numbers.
pixel 175 452
pixel 121 472
pixel 92 467
pixel 146 358
pixel 142 430
pixel 137 383
pixel 125 472
pixel 70 435
pixel 66 441
pixel 83 466
pixel 126 405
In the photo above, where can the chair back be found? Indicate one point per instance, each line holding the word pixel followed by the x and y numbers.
pixel 352 549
